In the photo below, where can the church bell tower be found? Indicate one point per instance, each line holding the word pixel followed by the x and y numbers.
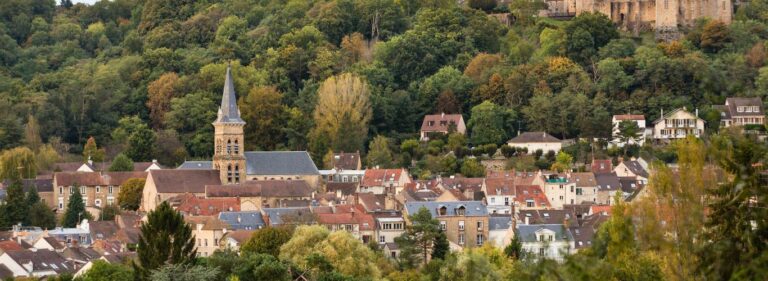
pixel 228 155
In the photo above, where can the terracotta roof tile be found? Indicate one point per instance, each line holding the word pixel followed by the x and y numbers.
pixel 440 122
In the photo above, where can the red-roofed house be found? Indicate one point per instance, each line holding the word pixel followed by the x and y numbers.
pixel 531 197
pixel 351 218
pixel 189 204
pixel 382 181
pixel 442 124
pixel 602 166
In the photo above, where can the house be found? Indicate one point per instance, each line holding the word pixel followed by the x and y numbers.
pixel 342 188
pixel 78 235
pixel 350 218
pixel 389 226
pixel 254 195
pixel 632 168
pixel 44 189
pixel 162 185
pixel 191 205
pixel 465 222
pixel 98 189
pixel 549 216
pixel 347 161
pixel 677 124
pixel 471 188
pixel 234 239
pixel 288 216
pixel 552 241
pixel 500 230
pixel 638 119
pixel 559 188
pixel 342 176
pixel 442 124
pixel 601 166
pixel 500 195
pixel 608 185
pixel 385 181
pixel 586 187
pixel 90 166
pixel 534 141
pixel 35 263
pixel 584 233
pixel 244 220
pixel 208 231
pixel 530 197
pixel 742 112
pixel 102 230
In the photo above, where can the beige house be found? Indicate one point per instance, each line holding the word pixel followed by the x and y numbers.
pixel 742 112
pixel 208 232
pixel 464 222
pixel 162 185
pixel 98 189
pixel 677 124
pixel 442 124
pixel 533 141
pixel 385 181
pixel 586 187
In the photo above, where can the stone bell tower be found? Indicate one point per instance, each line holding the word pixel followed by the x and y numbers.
pixel 228 155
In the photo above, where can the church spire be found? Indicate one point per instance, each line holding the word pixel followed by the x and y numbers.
pixel 228 111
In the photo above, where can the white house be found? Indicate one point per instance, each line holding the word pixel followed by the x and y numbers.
pixel 677 124
pixel 533 141
pixel 389 228
pixel 638 119
pixel 552 241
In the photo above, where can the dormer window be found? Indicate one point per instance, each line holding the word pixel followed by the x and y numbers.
pixel 460 211
pixel 442 211
pixel 443 123
pixel 430 123
pixel 740 109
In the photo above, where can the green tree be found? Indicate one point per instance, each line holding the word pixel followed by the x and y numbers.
pixel 32 196
pixel 121 163
pixel 32 134
pixel 267 241
pixel 472 168
pixel 488 123
pixel 17 163
pixel 261 267
pixel 166 240
pixel 129 196
pixel 347 255
pixel 342 113
pixel 419 238
pixel 15 209
pixel 75 212
pixel 183 272
pixel 562 162
pixel 41 215
pixel 109 212
pixel 141 144
pixel 263 113
pixel 469 265
pixel 586 33
pixel 92 152
pixel 104 271
pixel 379 154
pixel 629 133
pixel 441 247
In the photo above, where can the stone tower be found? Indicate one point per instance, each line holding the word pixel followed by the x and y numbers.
pixel 228 155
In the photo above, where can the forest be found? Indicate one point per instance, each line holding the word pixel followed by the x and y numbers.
pixel 144 77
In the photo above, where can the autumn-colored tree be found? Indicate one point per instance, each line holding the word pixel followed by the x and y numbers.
pixel 354 48
pixel 92 152
pixel 159 95
pixel 343 252
pixel 562 162
pixel 263 113
pixel 492 91
pixel 447 103
pixel 480 66
pixel 342 113
pixel 129 196
pixel 756 55
pixel 32 134
pixel 715 36
pixel 46 156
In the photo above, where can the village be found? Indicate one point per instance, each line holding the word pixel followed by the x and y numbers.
pixel 551 212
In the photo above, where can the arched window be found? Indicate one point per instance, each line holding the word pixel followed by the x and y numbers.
pixel 229 147
pixel 218 146
pixel 229 173
pixel 237 148
pixel 237 172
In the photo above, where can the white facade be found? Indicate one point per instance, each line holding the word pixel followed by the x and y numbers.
pixel 678 124
pixel 388 229
pixel 545 147
pixel 500 204
pixel 638 119
pixel 560 192
pixel 547 244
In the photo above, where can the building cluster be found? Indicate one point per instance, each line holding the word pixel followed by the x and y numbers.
pixel 238 192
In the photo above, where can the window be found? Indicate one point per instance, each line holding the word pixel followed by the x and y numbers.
pixel 541 251
pixel 442 211
pixel 382 239
pixel 461 238
pixel 237 173
pixel 110 201
pixel 387 226
pixel 506 201
pixel 229 146
pixel 430 123
pixel 529 203
pixel 461 225
pixel 479 239
pixel 442 225
pixel 393 254
pixel 61 203
pixel 493 200
pixel 82 190
pixel 480 225
pixel 215 241
pixel 109 189
pixel 61 190
pixel 345 179
pixel 461 211
pixel 97 202
pixel 237 148
pixel 579 191
pixel 541 237
pixel 355 179
pixel 229 173
pixel 98 189
pixel 206 242
pixel 71 190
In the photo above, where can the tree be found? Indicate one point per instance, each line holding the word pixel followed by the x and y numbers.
pixel 419 238
pixel 629 132
pixel 349 256
pixel 75 212
pixel 586 33
pixel 17 163
pixel 109 212
pixel 141 144
pixel 488 123
pixel 263 113
pixel 92 152
pixel 261 267
pixel 715 36
pixel 467 266
pixel 441 247
pixel 165 240
pixel 515 249
pixel 472 168
pixel 45 157
pixel 41 215
pixel 129 196
pixel 267 241
pixel 121 163
pixel 447 103
pixel 104 271
pixel 15 209
pixel 32 134
pixel 343 103
pixel 379 154
pixel 485 5
pixel 735 233
pixel 159 93
pixel 562 162
pixel 184 272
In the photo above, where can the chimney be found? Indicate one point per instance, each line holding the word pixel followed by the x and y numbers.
pixel 442 115
pixel 662 113
pixel 697 112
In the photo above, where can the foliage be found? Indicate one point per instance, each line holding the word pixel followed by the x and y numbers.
pixel 488 123
pixel 262 111
pixel 17 163
pixel 184 272
pixel 472 168
pixel 267 241
pixel 129 196
pixel 92 152
pixel 109 212
pixel 104 271
pixel 75 212
pixel 419 239
pixel 166 244
pixel 563 162
pixel 342 113
pixel 379 154
pixel 14 210
pixel 121 163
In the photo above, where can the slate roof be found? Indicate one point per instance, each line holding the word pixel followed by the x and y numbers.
pixel 279 216
pixel 583 179
pixel 280 163
pixel 733 104
pixel 529 137
pixel 42 260
pixel 547 216
pixel 102 229
pixel 440 122
pixel 472 208
pixel 184 181
pixel 630 184
pixel 608 181
pixel 196 165
pixel 96 178
pixel 42 185
pixel 636 168
pixel 267 188
pixel 228 111
pixel 247 220
pixel 527 233
pixel 346 161
pixel 499 222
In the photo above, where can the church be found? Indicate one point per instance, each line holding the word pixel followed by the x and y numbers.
pixel 231 165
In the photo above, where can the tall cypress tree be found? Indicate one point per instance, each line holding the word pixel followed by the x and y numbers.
pixel 165 239
pixel 75 210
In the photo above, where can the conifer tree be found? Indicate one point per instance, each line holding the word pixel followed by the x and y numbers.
pixel 165 239
pixel 75 210
pixel 419 238
pixel 15 208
